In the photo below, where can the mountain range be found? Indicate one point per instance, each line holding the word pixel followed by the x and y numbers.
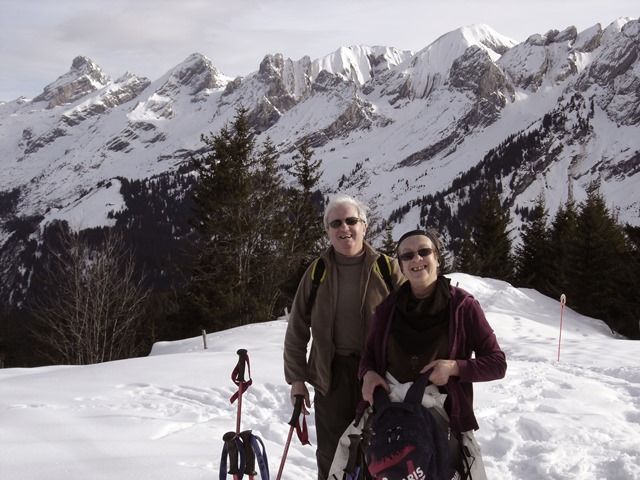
pixel 419 136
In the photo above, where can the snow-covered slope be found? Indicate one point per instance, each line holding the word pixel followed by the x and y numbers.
pixel 164 416
pixel 391 127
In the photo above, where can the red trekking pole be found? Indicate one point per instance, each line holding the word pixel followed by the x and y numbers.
pixel 238 378
pixel 302 432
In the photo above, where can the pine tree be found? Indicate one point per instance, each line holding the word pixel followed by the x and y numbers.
pixel 491 238
pixel 563 232
pixel 533 255
pixel 599 257
pixel 304 237
pixel 306 206
pixel 241 219
pixel 466 262
pixel 389 245
pixel 630 284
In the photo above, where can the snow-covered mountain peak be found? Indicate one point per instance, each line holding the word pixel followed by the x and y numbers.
pixel 485 36
pixel 430 68
pixel 196 74
pixel 440 55
pixel 360 62
pixel 390 126
pixel 83 78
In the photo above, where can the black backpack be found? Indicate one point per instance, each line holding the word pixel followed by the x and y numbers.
pixel 405 440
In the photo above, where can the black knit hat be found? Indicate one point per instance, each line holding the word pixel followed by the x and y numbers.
pixel 424 233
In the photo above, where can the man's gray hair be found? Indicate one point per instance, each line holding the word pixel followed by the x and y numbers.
pixel 344 199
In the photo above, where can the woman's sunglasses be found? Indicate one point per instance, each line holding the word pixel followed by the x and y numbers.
pixel 423 252
pixel 351 221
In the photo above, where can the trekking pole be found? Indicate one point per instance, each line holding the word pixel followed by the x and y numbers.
pixel 236 460
pixel 238 378
pixel 295 424
pixel 249 455
pixel 356 468
pixel 352 469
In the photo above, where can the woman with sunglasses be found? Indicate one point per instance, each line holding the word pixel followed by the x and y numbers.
pixel 429 324
pixel 338 323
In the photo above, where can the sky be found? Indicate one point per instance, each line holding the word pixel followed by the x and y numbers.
pixel 40 38
pixel 568 407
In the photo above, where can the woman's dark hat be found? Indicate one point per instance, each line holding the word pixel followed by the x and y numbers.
pixel 424 233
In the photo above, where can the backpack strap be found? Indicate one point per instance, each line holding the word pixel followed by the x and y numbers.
pixel 416 390
pixel 383 265
pixel 318 273
pixel 466 456
pixel 414 394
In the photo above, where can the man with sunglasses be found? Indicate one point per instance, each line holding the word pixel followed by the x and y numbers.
pixel 337 324
pixel 429 324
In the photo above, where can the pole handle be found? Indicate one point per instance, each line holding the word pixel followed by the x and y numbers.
pixel 240 367
pixel 232 449
pixel 297 409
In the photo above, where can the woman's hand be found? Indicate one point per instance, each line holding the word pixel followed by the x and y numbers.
pixel 370 381
pixel 442 370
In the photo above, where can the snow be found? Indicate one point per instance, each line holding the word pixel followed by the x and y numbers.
pixel 92 209
pixel 163 416
pixel 56 155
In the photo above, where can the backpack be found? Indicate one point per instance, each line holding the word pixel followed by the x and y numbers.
pixel 243 450
pixel 318 274
pixel 406 442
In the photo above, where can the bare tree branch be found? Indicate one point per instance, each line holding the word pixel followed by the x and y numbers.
pixel 95 304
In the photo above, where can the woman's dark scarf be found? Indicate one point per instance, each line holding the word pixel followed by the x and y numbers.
pixel 418 321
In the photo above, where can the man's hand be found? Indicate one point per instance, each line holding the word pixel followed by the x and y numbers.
pixel 299 388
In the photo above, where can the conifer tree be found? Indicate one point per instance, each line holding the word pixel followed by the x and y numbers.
pixel 629 282
pixel 240 218
pixel 389 245
pixel 466 262
pixel 306 205
pixel 599 257
pixel 533 255
pixel 562 234
pixel 491 238
pixel 305 233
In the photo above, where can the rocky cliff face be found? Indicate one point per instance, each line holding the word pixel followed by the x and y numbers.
pixel 614 75
pixel 85 77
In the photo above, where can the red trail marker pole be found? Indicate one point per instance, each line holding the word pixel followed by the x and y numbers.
pixel 563 300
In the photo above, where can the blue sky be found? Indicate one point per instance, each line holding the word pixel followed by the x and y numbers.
pixel 40 38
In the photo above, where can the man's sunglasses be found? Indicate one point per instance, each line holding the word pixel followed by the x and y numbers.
pixel 423 252
pixel 351 221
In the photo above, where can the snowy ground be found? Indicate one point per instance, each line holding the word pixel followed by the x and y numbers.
pixel 163 416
